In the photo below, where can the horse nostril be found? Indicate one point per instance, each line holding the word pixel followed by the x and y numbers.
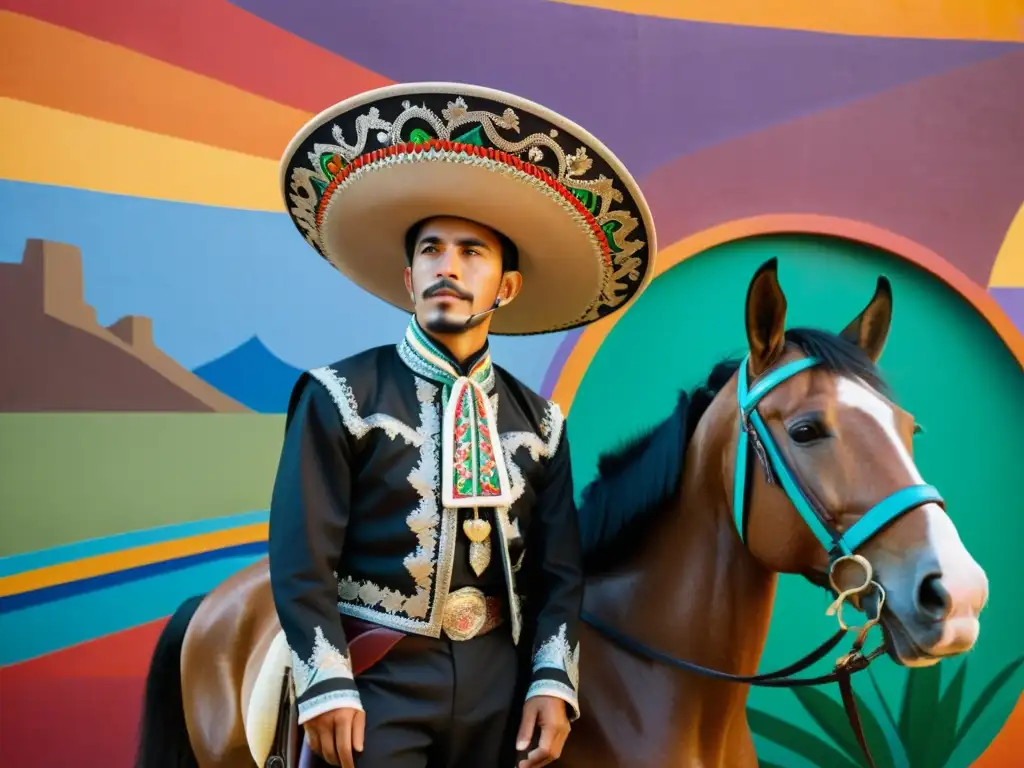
pixel 933 600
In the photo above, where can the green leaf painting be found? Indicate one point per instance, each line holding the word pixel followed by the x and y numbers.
pixel 807 745
pixel 830 716
pixel 920 702
pixel 986 697
pixel 944 723
pixel 929 724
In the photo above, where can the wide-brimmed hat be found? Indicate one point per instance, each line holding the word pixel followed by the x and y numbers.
pixel 361 173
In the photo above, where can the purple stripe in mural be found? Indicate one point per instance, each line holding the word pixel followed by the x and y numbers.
pixel 652 89
pixel 1012 302
pixel 554 370
pixel 937 161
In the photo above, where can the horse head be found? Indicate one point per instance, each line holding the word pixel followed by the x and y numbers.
pixel 825 483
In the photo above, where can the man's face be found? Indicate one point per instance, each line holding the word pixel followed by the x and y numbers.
pixel 456 271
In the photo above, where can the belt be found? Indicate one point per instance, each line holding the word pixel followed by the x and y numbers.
pixel 468 613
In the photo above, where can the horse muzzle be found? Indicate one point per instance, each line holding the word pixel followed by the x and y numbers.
pixel 930 615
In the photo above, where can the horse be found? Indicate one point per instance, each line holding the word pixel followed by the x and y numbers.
pixel 792 459
pixel 663 556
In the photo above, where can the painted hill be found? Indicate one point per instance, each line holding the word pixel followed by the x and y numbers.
pixel 253 375
pixel 57 357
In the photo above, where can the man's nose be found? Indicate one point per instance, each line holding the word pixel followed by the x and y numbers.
pixel 448 264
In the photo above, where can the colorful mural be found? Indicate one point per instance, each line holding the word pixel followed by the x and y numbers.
pixel 156 305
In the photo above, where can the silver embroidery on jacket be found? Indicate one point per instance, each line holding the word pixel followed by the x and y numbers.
pixel 434 527
pixel 555 653
pixel 343 397
pixel 325 663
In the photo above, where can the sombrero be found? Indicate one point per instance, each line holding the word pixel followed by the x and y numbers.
pixel 361 173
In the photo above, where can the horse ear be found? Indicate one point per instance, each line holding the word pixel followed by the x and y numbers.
pixel 870 329
pixel 766 317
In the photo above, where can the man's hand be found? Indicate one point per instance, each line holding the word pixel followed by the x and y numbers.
pixel 548 714
pixel 334 734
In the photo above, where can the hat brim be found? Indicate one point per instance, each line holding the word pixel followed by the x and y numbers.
pixel 583 231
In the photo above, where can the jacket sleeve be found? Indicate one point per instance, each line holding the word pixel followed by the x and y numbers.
pixel 309 513
pixel 555 542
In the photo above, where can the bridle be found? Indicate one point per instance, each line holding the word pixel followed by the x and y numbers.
pixel 755 440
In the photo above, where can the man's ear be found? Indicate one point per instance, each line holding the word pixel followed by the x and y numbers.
pixel 511 285
pixel 407 276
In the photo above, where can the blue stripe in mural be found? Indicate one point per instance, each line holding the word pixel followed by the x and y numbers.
pixel 79 550
pixel 35 630
pixel 84 586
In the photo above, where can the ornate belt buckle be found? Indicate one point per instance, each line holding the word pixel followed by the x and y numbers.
pixel 465 613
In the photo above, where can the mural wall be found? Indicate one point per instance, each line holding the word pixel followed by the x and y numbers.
pixel 156 305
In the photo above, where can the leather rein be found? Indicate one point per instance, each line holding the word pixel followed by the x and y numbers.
pixel 756 440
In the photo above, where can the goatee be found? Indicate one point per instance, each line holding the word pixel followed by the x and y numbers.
pixel 441 322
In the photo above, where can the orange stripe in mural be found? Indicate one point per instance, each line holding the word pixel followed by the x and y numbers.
pixel 590 340
pixel 216 39
pixel 1007 749
pixel 105 157
pixel 955 20
pixel 111 83
pixel 100 565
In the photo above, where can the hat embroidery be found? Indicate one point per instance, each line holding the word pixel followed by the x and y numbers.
pixel 417 133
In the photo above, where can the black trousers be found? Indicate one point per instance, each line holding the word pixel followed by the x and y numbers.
pixel 442 704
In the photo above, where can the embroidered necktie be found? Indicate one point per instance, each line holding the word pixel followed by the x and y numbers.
pixel 473 470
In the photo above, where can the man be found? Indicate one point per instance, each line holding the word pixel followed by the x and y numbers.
pixel 424 496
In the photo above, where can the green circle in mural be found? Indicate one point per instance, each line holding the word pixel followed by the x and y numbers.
pixel 951 370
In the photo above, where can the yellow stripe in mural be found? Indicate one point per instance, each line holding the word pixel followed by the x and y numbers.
pixel 113 562
pixel 49 146
pixel 151 95
pixel 1008 269
pixel 938 19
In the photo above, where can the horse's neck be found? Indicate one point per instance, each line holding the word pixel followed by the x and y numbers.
pixel 695 592
pixel 715 600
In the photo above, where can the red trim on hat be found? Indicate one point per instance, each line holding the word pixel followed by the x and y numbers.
pixel 467 149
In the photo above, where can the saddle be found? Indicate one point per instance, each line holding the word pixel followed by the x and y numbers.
pixel 367 644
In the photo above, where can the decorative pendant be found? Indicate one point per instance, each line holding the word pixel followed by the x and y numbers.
pixel 479 556
pixel 478 532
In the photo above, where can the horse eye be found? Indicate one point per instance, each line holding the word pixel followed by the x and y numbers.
pixel 806 432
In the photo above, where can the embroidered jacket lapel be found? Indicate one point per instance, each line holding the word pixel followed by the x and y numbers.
pixel 474 472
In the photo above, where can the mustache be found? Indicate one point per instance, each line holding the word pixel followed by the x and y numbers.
pixel 444 284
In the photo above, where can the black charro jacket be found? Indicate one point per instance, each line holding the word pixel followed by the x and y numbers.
pixel 357 526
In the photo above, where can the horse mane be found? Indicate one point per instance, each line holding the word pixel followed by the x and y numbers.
pixel 636 480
